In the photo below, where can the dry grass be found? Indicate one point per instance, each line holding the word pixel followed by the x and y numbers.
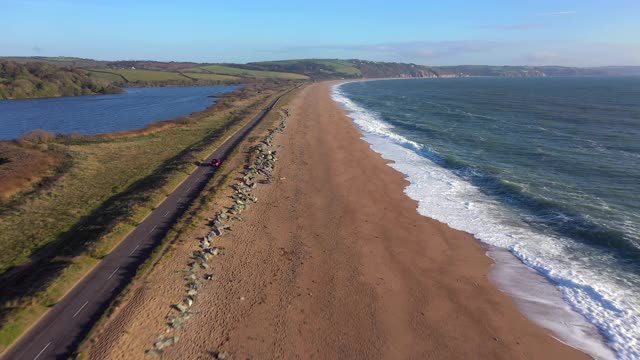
pixel 23 166
pixel 103 167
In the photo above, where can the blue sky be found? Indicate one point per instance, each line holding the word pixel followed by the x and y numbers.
pixel 445 32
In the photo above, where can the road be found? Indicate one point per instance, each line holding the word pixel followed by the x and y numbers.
pixel 59 332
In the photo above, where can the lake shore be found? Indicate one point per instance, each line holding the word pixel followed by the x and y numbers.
pixel 335 261
pixel 140 111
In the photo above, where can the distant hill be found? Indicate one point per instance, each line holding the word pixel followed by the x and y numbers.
pixel 63 76
pixel 34 77
pixel 536 71
pixel 620 70
pixel 373 69
pixel 34 80
pixel 314 68
pixel 349 69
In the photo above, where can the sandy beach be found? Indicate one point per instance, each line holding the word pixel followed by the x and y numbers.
pixel 333 262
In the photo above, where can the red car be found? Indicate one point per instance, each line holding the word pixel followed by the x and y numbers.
pixel 216 162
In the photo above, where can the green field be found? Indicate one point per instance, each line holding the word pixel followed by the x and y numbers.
pixel 151 75
pixel 212 77
pixel 341 66
pixel 196 70
pixel 145 75
pixel 228 70
pixel 63 58
pixel 338 66
pixel 111 77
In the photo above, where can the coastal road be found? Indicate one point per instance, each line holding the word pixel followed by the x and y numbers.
pixel 58 333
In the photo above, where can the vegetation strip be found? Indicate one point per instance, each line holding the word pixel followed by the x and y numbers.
pixel 34 80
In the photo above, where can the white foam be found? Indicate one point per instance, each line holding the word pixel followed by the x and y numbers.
pixel 605 297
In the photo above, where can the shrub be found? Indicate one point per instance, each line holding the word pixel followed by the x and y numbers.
pixel 38 136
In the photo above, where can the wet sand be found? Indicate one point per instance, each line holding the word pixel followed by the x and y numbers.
pixel 334 262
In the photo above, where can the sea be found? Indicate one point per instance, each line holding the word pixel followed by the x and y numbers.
pixel 95 114
pixel 544 171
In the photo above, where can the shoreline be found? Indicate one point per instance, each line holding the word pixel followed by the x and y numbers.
pixel 537 297
pixel 334 261
pixel 542 303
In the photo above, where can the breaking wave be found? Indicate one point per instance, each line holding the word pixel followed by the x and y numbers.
pixel 573 272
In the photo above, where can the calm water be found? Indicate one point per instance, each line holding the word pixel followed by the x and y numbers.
pixel 547 168
pixel 104 113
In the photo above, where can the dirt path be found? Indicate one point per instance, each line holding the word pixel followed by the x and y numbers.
pixel 335 262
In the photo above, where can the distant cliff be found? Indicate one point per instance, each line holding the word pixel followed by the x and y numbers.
pixel 374 69
pixel 321 69
pixel 371 69
pixel 538 71
pixel 36 80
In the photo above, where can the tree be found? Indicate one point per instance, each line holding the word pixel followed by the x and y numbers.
pixel 44 80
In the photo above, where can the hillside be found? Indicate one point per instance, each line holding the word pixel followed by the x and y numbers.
pixel 35 80
pixel 333 68
pixel 236 70
pixel 314 68
pixel 30 77
pixel 34 77
pixel 373 69
pixel 151 78
pixel 349 69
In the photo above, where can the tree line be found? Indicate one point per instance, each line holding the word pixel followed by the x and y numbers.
pixel 36 80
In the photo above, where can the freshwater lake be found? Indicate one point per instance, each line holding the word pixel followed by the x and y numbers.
pixel 97 114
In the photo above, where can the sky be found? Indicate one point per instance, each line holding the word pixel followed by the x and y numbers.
pixel 445 32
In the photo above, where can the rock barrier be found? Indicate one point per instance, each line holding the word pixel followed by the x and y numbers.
pixel 260 171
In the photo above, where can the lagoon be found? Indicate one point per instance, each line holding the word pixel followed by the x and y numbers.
pixel 97 114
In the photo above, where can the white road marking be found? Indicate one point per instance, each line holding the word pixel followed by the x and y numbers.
pixel 134 249
pixel 114 272
pixel 154 227
pixel 179 200
pixel 41 351
pixel 82 307
pixel 189 189
pixel 165 215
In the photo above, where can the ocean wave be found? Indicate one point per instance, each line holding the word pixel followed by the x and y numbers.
pixel 599 293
